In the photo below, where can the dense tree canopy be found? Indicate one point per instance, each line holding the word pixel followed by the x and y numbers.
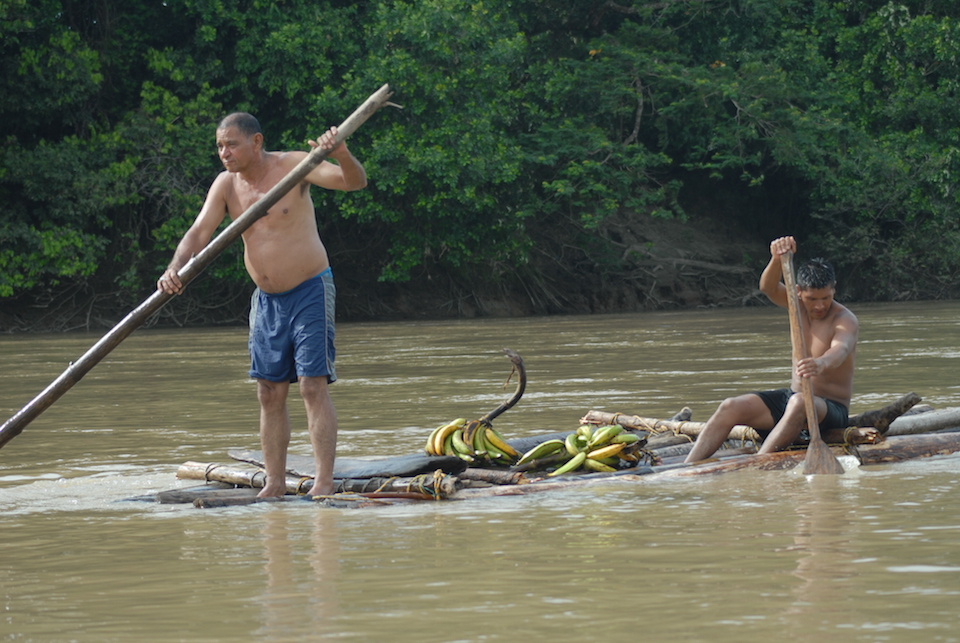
pixel 533 133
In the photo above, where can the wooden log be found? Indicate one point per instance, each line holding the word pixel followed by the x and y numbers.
pixel 925 422
pixel 856 435
pixel 493 476
pixel 655 426
pixel 880 419
pixel 436 485
pixel 898 448
pixel 667 440
pixel 189 495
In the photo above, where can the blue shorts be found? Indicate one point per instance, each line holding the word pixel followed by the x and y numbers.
pixel 292 333
pixel 776 401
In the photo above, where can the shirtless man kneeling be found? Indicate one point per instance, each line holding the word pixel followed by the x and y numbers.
pixel 831 333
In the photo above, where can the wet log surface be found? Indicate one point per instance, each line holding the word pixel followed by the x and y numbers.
pixel 355 468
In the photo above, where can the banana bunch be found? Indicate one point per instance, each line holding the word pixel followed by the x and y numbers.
pixel 600 449
pixel 475 442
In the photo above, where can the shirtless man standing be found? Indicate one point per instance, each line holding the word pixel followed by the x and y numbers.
pixel 292 311
pixel 831 333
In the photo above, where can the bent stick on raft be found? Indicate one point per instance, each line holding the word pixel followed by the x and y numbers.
pixel 521 372
pixel 76 370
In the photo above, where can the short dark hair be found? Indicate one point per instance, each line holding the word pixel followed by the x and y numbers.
pixel 816 273
pixel 246 123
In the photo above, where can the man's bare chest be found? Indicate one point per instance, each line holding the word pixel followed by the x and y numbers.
pixel 243 196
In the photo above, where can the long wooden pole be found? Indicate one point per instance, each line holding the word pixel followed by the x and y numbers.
pixel 76 370
pixel 819 458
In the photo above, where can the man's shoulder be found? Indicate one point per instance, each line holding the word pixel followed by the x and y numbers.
pixel 844 316
pixel 288 158
pixel 223 182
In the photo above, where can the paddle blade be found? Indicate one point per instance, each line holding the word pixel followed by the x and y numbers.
pixel 820 459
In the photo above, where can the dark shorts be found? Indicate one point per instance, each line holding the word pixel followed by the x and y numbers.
pixel 776 400
pixel 292 333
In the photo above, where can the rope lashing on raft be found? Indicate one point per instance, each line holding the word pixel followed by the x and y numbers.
pixel 304 480
pixel 208 470
pixel 437 478
pixel 849 445
pixel 428 484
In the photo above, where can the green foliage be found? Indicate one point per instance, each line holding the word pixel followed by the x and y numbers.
pixel 834 121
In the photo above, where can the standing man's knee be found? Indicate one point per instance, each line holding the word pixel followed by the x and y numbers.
pixel 271 394
pixel 313 388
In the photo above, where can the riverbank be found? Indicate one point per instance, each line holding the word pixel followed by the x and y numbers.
pixel 629 265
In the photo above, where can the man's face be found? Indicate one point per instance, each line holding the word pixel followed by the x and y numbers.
pixel 236 150
pixel 817 301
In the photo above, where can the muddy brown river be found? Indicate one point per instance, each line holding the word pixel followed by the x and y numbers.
pixel 871 555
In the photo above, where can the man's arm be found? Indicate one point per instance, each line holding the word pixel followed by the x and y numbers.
pixel 844 342
pixel 197 237
pixel 346 175
pixel 770 279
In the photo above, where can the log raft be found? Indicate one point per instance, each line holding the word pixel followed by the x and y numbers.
pixel 899 436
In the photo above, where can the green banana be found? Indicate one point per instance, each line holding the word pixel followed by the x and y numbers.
pixel 572 444
pixel 625 438
pixel 604 434
pixel 596 465
pixel 492 451
pixel 586 430
pixel 543 449
pixel 459 445
pixel 448 445
pixel 572 464
pixel 478 439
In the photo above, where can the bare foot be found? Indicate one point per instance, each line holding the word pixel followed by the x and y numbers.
pixel 321 490
pixel 272 491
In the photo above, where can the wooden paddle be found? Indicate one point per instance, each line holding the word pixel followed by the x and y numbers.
pixel 76 370
pixel 819 457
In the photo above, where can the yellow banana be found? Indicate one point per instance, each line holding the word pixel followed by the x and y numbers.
pixel 469 430
pixel 541 450
pixel 441 435
pixel 494 438
pixel 572 464
pixel 492 451
pixel 432 440
pixel 606 452
pixel 596 465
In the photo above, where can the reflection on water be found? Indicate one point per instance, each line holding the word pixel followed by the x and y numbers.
pixel 868 556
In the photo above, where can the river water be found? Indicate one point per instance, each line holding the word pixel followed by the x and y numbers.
pixel 871 555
